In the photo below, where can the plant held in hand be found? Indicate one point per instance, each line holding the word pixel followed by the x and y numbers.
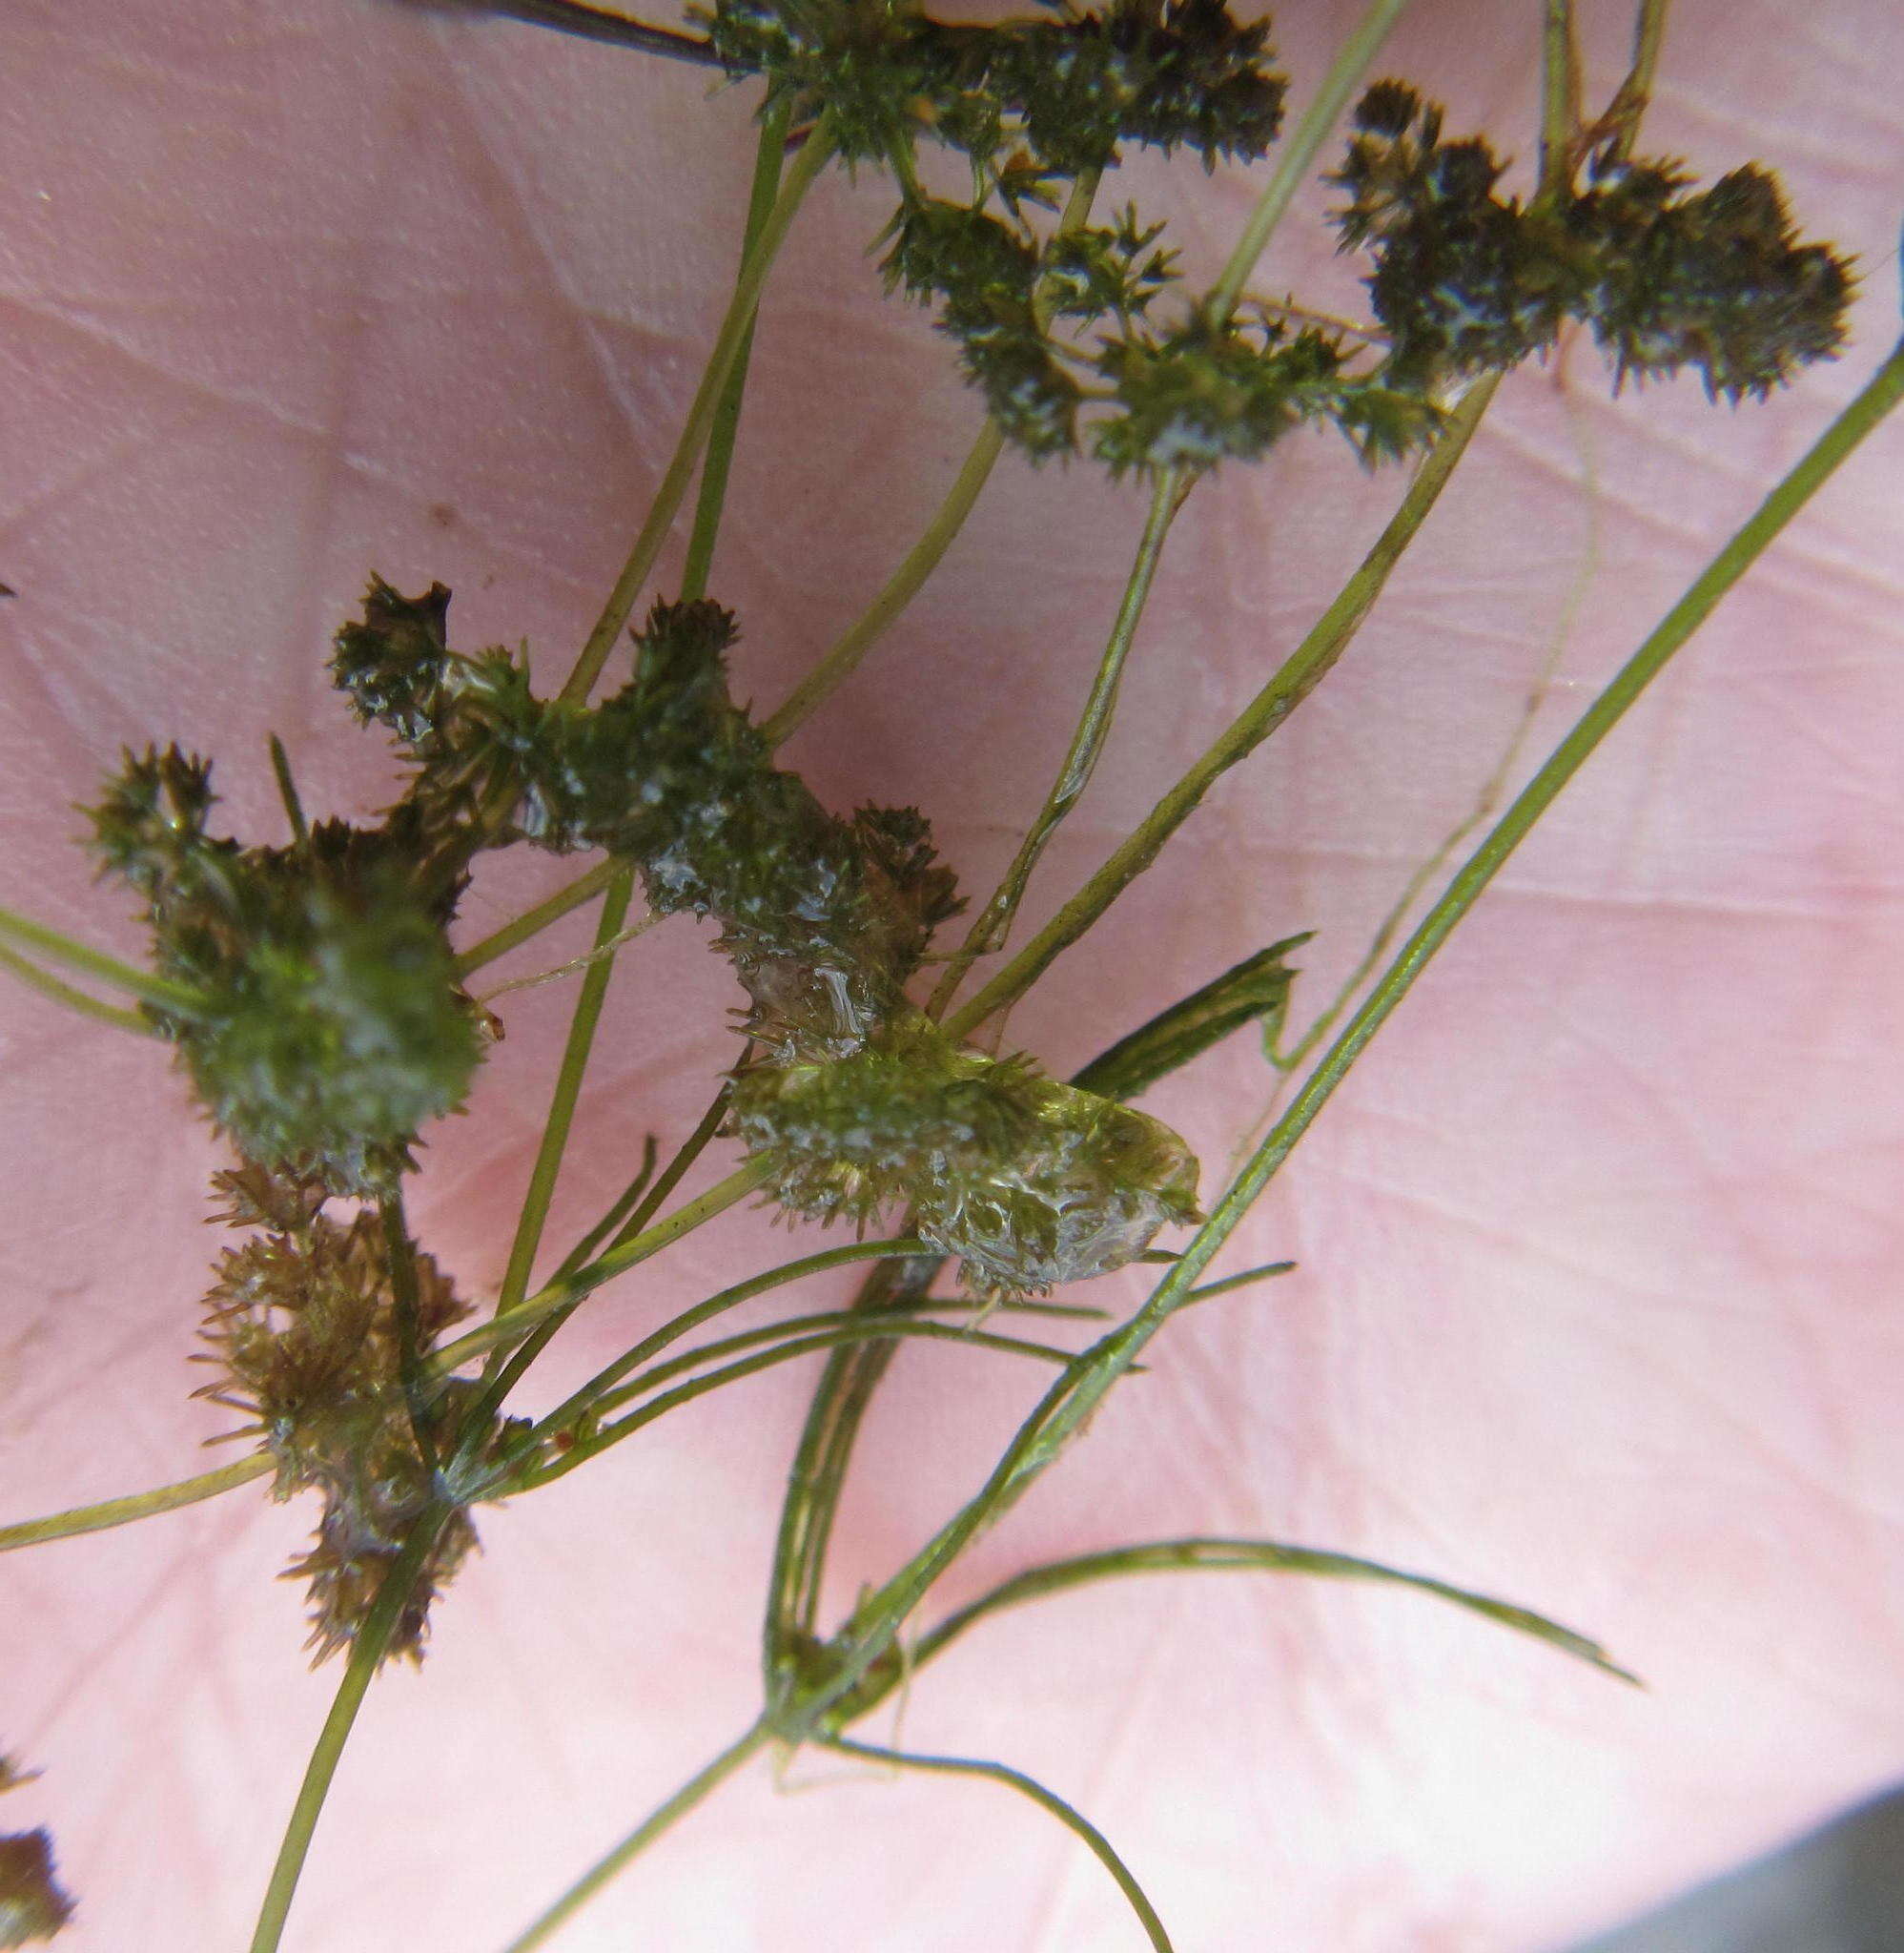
pixel 319 993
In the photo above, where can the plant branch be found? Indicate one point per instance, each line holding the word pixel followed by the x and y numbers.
pixel 1298 675
pixel 533 921
pixel 991 928
pixel 367 1649
pixel 1560 100
pixel 589 1394
pixel 138 1505
pixel 78 956
pixel 772 148
pixel 1073 1399
pixel 693 1792
pixel 857 1329
pixel 727 344
pixel 504 1375
pixel 1244 1555
pixel 1067 1814
pixel 505 1329
pixel 1299 153
pixel 50 986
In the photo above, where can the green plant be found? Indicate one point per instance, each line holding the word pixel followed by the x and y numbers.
pixel 319 1006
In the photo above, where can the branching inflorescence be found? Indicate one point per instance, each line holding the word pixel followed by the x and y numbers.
pixel 312 991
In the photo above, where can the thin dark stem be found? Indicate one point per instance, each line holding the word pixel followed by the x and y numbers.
pixel 1067 1814
pixel 590 24
pixel 401 1253
pixel 712 496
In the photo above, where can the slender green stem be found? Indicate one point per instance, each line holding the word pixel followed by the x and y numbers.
pixel 1242 1555
pixel 693 1792
pixel 1629 104
pixel 818 1474
pixel 925 555
pixel 774 124
pixel 690 1215
pixel 50 986
pixel 993 923
pixel 818 1325
pixel 567 1093
pixel 78 956
pixel 1073 1399
pixel 368 1649
pixel 1298 675
pixel 904 584
pixel 1067 1814
pixel 624 1202
pixel 401 1253
pixel 819 1466
pixel 287 792
pixel 856 1330
pixel 1247 1278
pixel 686 1153
pixel 1559 99
pixel 138 1505
pixel 1298 152
pixel 590 1393
pixel 504 1375
pixel 533 921
pixel 620 607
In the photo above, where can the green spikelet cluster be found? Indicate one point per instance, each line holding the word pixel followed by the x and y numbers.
pixel 1068 87
pixel 857 1099
pixel 331 1027
pixel 32 1905
pixel 1029 1182
pixel 1467 279
pixel 303 1330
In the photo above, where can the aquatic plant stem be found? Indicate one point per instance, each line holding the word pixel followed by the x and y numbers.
pixel 698 1787
pixel 924 556
pixel 1297 676
pixel 1629 103
pixel 138 1505
pixel 854 1329
pixel 78 956
pixel 368 1649
pixel 533 921
pixel 689 1216
pixel 587 1016
pixel 1239 1556
pixel 1067 1814
pixel 712 496
pixel 1073 1399
pixel 904 584
pixel 65 995
pixel 812 158
pixel 1299 153
pixel 993 923
pixel 1560 100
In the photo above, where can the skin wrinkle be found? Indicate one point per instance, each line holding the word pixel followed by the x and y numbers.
pixel 607 372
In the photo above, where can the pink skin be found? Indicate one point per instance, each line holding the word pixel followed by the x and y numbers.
pixel 1599 1246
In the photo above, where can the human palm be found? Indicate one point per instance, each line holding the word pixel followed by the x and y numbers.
pixel 1595 1308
